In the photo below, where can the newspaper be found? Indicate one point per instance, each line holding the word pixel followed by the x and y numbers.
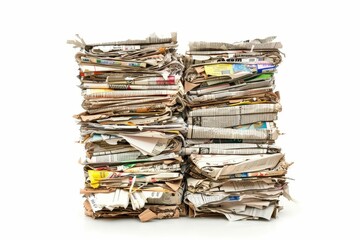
pixel 153 117
pixel 132 127
pixel 214 166
pixel 234 167
pixel 231 148
pixel 260 131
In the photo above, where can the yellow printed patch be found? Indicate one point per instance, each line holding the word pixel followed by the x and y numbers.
pixel 219 69
pixel 96 176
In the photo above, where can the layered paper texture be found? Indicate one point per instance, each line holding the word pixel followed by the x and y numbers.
pixel 168 135
pixel 132 127
pixel 235 169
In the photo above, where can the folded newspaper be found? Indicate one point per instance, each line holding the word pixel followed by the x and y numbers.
pixel 132 128
pixel 234 167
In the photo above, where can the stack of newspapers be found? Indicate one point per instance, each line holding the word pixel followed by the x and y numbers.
pixel 235 169
pixel 147 108
pixel 132 128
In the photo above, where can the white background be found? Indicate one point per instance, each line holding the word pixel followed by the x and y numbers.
pixel 318 81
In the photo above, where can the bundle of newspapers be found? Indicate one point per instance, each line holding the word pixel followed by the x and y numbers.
pixel 147 108
pixel 235 169
pixel 132 128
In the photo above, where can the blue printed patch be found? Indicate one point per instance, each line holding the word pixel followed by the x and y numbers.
pixel 240 68
pixel 244 175
pixel 234 198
